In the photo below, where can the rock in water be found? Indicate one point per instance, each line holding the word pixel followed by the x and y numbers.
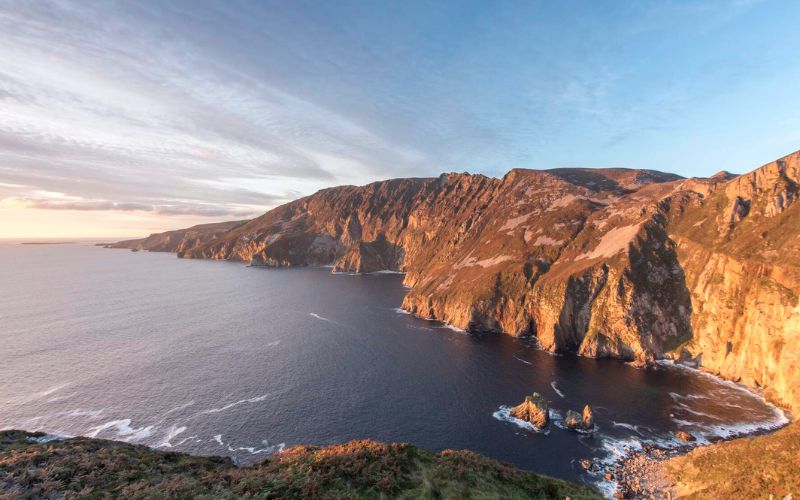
pixel 684 436
pixel 573 420
pixel 533 410
pixel 588 418
pixel 577 422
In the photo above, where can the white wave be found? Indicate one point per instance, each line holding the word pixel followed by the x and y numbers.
pixel 387 271
pixel 684 423
pixel 686 408
pixel 635 428
pixel 235 403
pixel 733 385
pixel 257 451
pixel 21 400
pixel 79 412
pixel 61 398
pixel 451 327
pixel 419 327
pixel 711 433
pixel 616 449
pixel 46 438
pixel 727 431
pixel 186 439
pixel 675 396
pixel 557 419
pixel 171 433
pixel 553 385
pixel 504 415
pixel 315 315
pixel 123 430
pixel 179 408
pixel 400 310
pixel 273 343
pixel 250 449
pixel 52 390
pixel 522 360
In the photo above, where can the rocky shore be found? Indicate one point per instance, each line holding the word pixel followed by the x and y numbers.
pixel 756 466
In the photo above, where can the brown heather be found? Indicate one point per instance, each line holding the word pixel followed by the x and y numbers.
pixel 93 468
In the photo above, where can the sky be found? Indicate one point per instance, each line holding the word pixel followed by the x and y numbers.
pixel 125 118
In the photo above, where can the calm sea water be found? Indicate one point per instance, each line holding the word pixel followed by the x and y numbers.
pixel 217 358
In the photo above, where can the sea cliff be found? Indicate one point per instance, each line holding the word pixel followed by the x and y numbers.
pixel 633 264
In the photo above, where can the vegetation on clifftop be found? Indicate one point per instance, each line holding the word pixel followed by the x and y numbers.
pixel 94 468
pixel 752 467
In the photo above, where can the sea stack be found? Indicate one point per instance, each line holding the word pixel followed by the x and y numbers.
pixel 588 417
pixel 533 410
pixel 577 422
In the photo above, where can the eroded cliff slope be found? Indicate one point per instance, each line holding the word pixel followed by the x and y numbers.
pixel 633 264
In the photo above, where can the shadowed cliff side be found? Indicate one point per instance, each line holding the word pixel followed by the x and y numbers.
pixel 633 264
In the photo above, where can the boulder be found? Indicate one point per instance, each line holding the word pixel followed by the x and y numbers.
pixel 573 420
pixel 533 410
pixel 685 436
pixel 577 422
pixel 588 417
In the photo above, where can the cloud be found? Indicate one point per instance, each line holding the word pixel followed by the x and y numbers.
pixel 177 208
pixel 205 107
pixel 104 107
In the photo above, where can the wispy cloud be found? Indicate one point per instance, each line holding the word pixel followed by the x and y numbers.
pixel 105 107
pixel 221 109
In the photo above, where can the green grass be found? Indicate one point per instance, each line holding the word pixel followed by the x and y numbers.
pixel 93 468
pixel 754 467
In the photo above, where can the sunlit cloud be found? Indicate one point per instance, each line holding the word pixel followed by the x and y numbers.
pixel 155 112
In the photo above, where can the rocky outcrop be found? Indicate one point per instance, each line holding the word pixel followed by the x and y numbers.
pixel 533 410
pixel 632 264
pixel 744 280
pixel 587 417
pixel 579 422
pixel 370 256
pixel 179 241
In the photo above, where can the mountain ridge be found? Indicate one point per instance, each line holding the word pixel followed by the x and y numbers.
pixel 633 264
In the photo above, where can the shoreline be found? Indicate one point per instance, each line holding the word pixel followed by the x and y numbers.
pixel 638 472
pixel 634 468
pixel 762 465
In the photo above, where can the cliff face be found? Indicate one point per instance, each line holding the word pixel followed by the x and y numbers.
pixel 181 240
pixel 633 264
pixel 744 278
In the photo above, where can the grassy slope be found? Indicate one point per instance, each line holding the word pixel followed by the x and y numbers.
pixel 359 469
pixel 752 467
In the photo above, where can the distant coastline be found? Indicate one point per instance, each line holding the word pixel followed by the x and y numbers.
pixel 47 243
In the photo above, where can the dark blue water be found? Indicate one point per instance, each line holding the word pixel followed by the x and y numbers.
pixel 218 358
